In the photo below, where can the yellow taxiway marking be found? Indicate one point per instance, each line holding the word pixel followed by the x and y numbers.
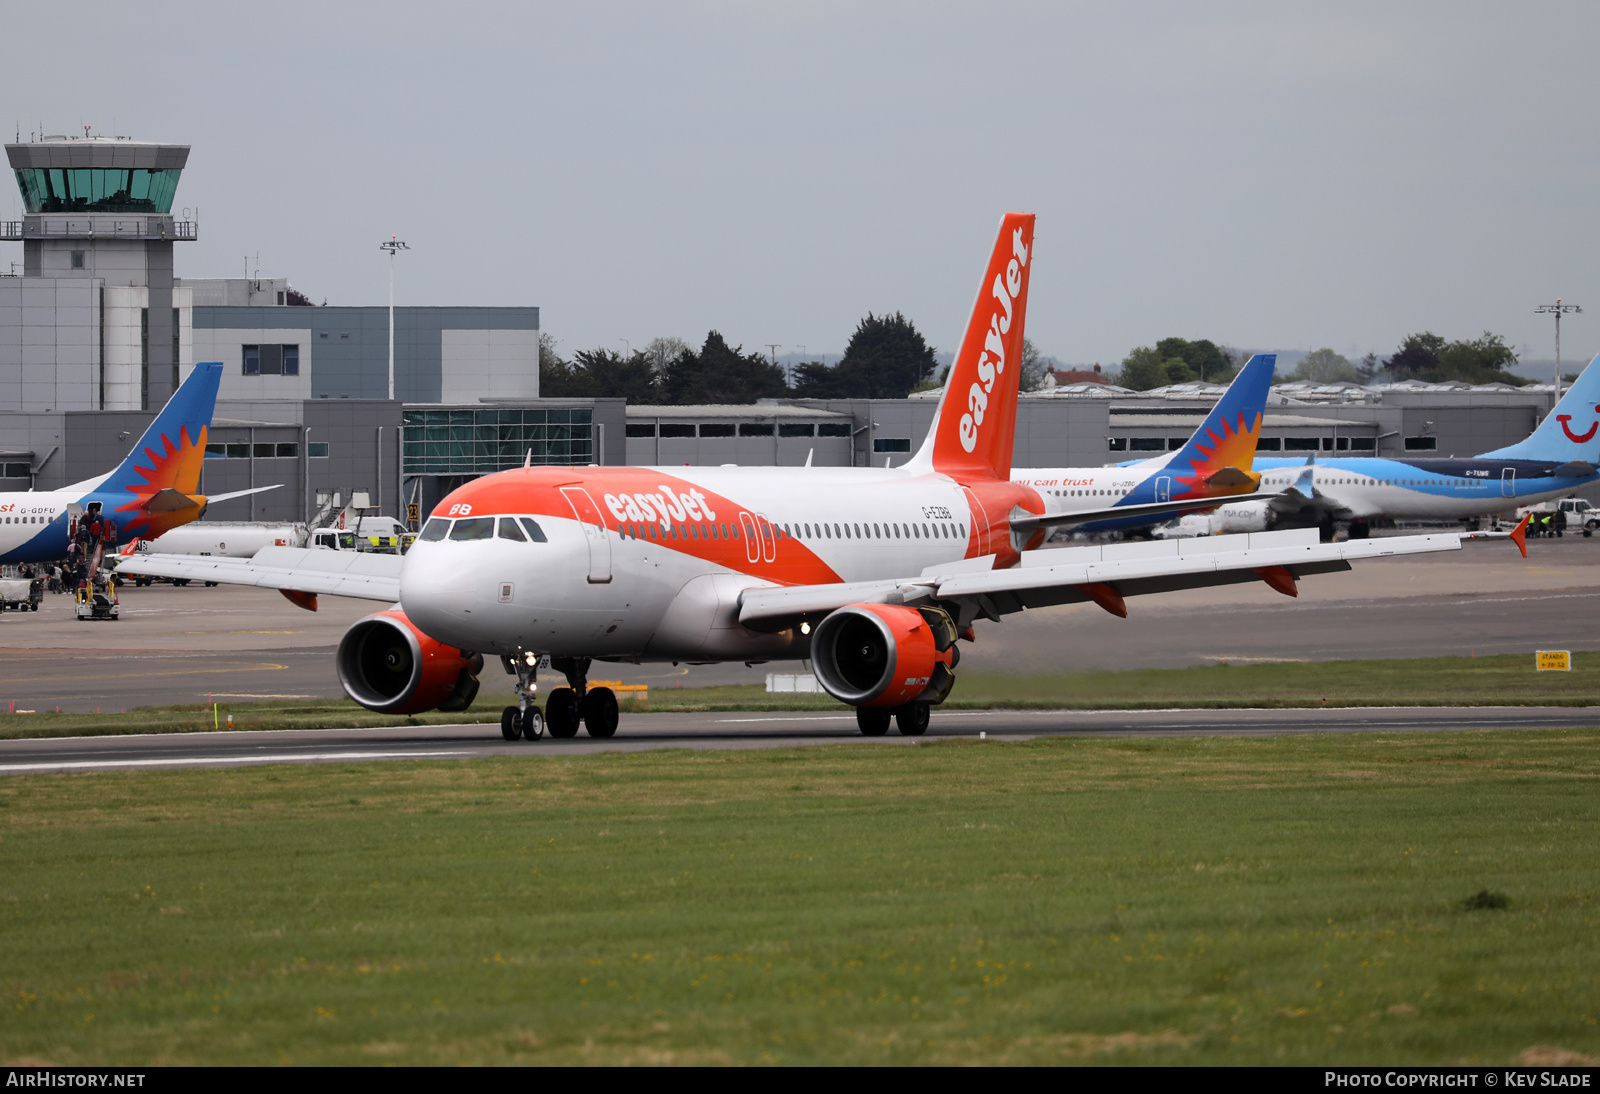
pixel 237 666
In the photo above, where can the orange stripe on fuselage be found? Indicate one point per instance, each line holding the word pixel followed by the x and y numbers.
pixel 677 508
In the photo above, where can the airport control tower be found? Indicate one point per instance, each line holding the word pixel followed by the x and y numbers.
pixel 92 324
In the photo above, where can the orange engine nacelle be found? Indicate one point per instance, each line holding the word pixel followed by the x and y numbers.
pixel 883 655
pixel 387 665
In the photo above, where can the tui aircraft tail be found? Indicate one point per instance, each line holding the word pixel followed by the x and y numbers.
pixel 976 424
pixel 1572 430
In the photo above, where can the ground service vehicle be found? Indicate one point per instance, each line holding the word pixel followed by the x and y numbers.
pixel 874 574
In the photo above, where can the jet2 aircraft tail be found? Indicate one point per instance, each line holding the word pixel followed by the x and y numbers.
pixel 1228 436
pixel 973 432
pixel 169 455
pixel 1571 432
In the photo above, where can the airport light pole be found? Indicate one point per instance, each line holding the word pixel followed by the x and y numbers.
pixel 1558 309
pixel 392 246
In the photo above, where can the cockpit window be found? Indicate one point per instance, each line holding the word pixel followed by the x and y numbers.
pixel 435 530
pixel 509 530
pixel 535 533
pixel 473 528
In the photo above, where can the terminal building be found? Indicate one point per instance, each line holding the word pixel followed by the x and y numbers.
pixel 99 328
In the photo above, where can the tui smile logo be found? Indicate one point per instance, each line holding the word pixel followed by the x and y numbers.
pixel 1576 438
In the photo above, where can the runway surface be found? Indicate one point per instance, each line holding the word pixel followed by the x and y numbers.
pixel 242 644
pixel 738 731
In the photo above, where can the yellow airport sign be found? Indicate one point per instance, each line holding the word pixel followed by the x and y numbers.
pixel 1553 660
pixel 413 510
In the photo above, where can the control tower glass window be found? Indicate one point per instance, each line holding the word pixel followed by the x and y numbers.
pixel 98 189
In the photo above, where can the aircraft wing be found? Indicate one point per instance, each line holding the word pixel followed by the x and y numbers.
pixel 1153 509
pixel 300 569
pixel 1073 574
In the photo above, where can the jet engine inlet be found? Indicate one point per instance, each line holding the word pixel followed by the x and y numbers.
pixel 387 665
pixel 881 655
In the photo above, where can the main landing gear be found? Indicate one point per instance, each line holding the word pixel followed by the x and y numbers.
pixel 911 719
pixel 565 709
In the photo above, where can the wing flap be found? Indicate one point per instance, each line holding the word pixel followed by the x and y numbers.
pixel 309 570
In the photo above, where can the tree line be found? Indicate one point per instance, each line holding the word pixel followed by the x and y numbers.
pixel 1426 356
pixel 887 358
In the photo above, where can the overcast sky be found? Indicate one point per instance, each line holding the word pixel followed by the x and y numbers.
pixel 1264 175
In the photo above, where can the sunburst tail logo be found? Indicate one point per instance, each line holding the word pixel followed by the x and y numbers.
pixel 167 458
pixel 1229 434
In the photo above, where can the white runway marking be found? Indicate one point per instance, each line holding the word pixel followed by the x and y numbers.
pixel 190 761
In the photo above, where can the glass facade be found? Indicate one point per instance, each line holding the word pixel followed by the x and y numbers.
pixel 476 442
pixel 98 189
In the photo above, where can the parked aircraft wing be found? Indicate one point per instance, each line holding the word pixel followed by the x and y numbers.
pixel 309 570
pixel 1089 516
pixel 1073 574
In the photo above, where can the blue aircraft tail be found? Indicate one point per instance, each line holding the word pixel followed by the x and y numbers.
pixel 1572 430
pixel 170 453
pixel 1228 436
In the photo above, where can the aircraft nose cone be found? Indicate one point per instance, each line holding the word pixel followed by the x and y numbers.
pixel 436 596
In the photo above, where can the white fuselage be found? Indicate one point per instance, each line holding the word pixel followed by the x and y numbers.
pixel 667 589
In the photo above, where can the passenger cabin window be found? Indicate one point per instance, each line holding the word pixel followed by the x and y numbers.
pixel 473 528
pixel 434 530
pixel 509 530
pixel 535 533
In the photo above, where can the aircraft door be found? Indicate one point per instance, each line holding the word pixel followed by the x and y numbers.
pixel 1508 482
pixel 980 521
pixel 594 533
pixel 1163 489
pixel 752 545
pixel 769 546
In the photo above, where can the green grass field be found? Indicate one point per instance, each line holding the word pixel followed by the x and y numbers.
pixel 1438 681
pixel 1297 899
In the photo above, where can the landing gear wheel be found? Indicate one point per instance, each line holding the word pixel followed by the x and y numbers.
pixel 511 723
pixel 872 721
pixel 600 712
pixel 561 713
pixel 912 719
pixel 532 724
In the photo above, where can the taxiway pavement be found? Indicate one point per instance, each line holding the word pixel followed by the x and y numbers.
pixel 738 731
pixel 236 643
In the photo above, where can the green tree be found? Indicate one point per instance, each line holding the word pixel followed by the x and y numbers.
pixel 1035 366
pixel 1206 360
pixel 661 352
pixel 887 358
pixel 1427 356
pixel 605 373
pixel 557 379
pixel 1324 366
pixel 720 374
pixel 1417 357
pixel 1143 369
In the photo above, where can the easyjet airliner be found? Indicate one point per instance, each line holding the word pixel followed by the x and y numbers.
pixel 871 573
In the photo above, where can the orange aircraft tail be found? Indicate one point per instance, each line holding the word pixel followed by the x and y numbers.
pixel 974 430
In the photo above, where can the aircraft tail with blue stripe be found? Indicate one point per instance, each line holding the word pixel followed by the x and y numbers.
pixel 1571 433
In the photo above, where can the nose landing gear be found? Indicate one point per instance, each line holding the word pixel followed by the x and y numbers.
pixel 523 721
